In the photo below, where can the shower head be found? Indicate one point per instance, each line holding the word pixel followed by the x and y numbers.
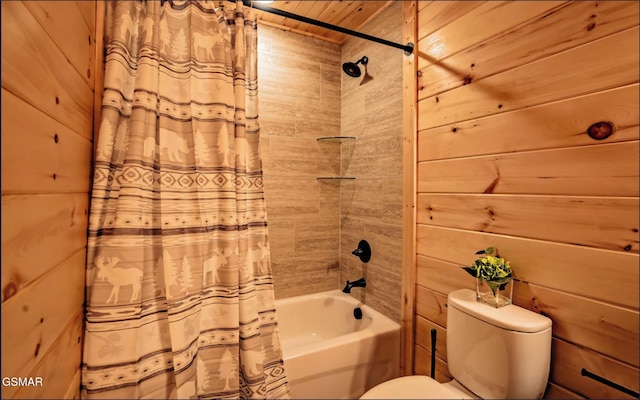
pixel 352 69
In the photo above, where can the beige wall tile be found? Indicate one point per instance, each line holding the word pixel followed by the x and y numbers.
pixel 392 200
pixel 371 208
pixel 281 237
pixel 277 114
pixel 291 196
pixel 364 201
pixel 330 81
pixel 298 157
pixel 330 198
pixel 316 235
pixel 289 76
pixel 317 118
pixel 302 47
pixel 299 101
pixel 315 225
pixel 303 275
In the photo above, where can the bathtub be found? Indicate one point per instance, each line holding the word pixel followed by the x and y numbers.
pixel 328 353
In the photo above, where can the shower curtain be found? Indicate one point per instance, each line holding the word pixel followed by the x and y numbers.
pixel 180 300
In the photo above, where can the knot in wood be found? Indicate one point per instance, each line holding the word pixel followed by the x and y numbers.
pixel 600 130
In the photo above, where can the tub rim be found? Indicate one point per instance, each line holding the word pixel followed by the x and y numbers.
pixel 380 324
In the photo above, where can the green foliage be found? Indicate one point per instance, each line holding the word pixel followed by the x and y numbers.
pixel 490 268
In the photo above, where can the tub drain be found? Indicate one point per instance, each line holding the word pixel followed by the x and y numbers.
pixel 357 313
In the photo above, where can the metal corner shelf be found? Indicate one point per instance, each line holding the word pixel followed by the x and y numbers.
pixel 338 139
pixel 335 178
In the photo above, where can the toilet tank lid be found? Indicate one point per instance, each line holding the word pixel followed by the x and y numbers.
pixel 509 317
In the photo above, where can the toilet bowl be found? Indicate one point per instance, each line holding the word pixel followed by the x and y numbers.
pixel 492 353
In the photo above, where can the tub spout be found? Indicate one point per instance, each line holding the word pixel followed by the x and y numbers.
pixel 359 283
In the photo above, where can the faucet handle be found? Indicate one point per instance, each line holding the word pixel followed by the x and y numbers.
pixel 363 251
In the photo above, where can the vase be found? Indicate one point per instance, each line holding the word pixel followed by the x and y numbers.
pixel 494 293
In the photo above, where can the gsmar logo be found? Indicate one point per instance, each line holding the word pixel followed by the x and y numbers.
pixel 21 381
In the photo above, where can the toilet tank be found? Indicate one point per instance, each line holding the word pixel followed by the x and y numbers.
pixel 499 353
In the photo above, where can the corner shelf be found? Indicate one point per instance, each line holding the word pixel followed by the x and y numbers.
pixel 335 178
pixel 338 139
pixel 335 139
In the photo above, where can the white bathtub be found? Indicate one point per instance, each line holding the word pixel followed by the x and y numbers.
pixel 328 354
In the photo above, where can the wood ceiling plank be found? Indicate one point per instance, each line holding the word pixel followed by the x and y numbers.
pixel 347 14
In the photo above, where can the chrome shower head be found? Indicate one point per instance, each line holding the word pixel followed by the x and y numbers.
pixel 352 69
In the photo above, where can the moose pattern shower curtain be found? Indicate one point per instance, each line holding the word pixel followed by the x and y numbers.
pixel 180 297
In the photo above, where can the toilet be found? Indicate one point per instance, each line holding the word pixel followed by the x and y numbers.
pixel 492 353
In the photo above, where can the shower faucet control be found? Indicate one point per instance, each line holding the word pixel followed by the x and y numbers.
pixel 363 251
pixel 359 283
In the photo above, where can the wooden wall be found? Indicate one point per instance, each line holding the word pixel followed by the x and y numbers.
pixel 299 91
pixel 48 82
pixel 506 92
pixel 371 205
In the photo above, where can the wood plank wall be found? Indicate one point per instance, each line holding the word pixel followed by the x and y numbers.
pixel 506 92
pixel 409 154
pixel 48 81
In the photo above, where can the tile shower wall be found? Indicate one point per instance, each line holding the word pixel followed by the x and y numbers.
pixel 371 205
pixel 300 101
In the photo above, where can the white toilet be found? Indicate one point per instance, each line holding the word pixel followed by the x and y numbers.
pixel 492 353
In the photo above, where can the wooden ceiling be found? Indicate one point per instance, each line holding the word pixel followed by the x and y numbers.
pixel 346 14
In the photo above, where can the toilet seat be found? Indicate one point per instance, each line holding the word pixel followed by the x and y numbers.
pixel 411 387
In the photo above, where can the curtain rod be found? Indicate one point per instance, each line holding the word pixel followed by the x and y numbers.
pixel 408 48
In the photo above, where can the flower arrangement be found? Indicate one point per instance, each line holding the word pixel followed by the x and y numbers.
pixel 492 269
